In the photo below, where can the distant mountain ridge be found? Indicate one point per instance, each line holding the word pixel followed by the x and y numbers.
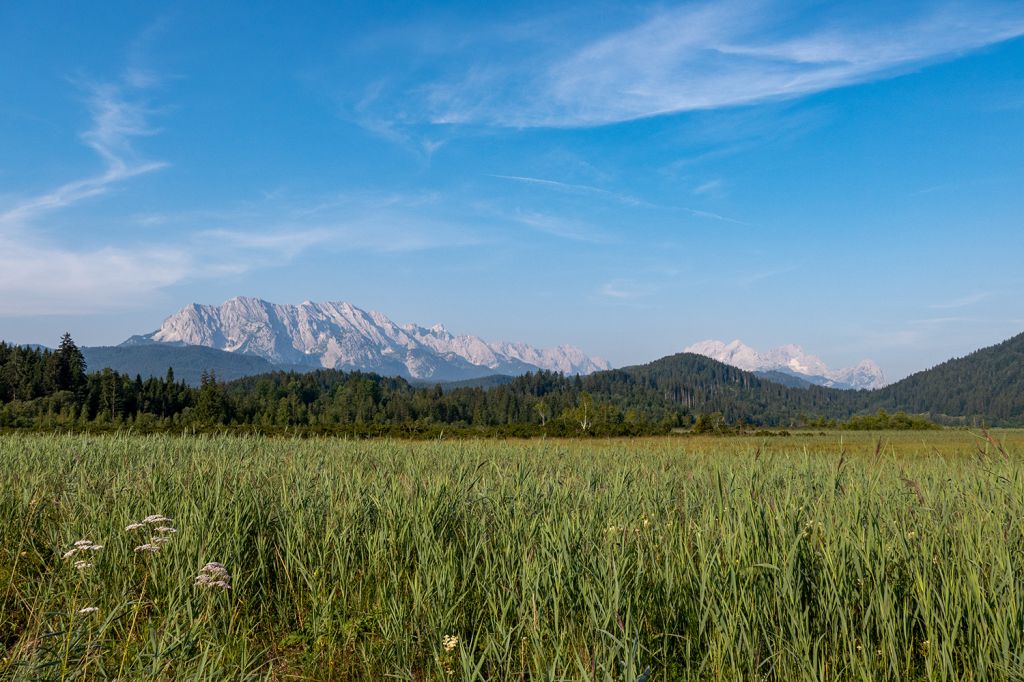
pixel 188 362
pixel 338 335
pixel 984 388
pixel 792 360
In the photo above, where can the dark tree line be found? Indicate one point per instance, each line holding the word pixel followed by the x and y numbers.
pixel 46 389
pixel 50 388
pixel 37 391
pixel 27 373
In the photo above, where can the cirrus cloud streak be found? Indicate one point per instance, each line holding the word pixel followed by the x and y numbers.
pixel 709 56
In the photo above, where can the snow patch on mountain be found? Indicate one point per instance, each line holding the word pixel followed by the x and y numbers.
pixel 340 335
pixel 791 359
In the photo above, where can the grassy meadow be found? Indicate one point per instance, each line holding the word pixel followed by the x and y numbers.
pixel 817 556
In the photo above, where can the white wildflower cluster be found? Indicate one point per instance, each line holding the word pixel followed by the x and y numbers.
pixel 159 524
pixel 214 575
pixel 81 547
pixel 813 527
pixel 449 642
pixel 645 523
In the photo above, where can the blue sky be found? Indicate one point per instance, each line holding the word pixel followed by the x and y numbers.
pixel 630 179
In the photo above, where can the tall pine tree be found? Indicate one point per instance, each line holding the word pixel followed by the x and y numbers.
pixel 68 372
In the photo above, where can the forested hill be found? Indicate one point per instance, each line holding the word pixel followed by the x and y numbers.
pixel 987 384
pixel 40 388
pixel 189 362
pixel 698 384
pixel 50 389
pixel 669 393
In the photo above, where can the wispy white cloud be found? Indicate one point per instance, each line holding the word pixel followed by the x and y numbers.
pixel 576 189
pixel 934 322
pixel 41 279
pixel 39 274
pixel 278 243
pixel 285 225
pixel 963 301
pixel 116 122
pixel 397 131
pixel 956 187
pixel 709 187
pixel 712 55
pixel 616 196
pixel 711 215
pixel 712 136
pixel 559 227
pixel 751 278
pixel 929 332
pixel 625 289
pixel 285 242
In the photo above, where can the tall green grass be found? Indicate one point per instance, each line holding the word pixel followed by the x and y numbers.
pixel 804 558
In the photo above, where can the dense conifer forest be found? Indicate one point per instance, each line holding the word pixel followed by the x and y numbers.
pixel 52 389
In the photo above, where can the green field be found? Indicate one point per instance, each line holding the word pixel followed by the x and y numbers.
pixel 818 556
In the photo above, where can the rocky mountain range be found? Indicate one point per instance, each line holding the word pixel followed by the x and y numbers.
pixel 338 335
pixel 793 361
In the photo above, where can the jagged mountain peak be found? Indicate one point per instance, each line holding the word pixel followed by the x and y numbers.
pixel 337 334
pixel 791 359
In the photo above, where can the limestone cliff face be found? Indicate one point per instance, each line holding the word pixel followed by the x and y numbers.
pixel 340 335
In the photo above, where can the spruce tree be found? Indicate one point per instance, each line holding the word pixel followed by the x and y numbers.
pixel 69 366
